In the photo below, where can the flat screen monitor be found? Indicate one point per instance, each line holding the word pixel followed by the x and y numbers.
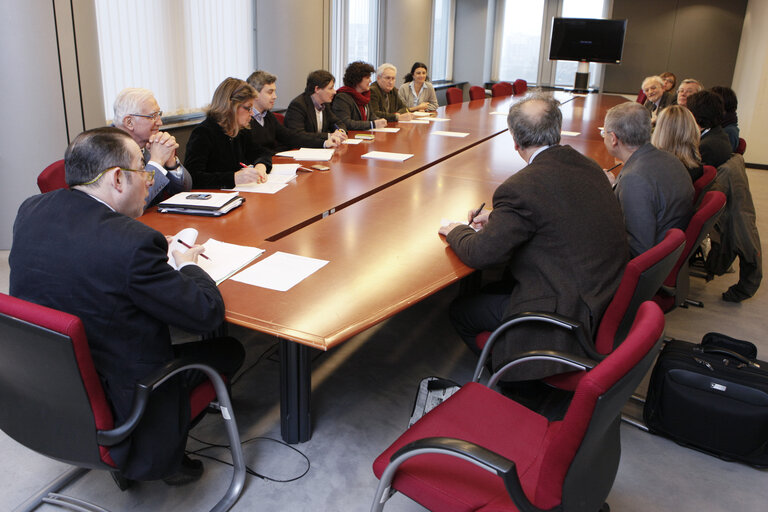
pixel 588 40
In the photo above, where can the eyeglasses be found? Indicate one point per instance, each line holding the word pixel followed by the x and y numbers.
pixel 153 116
pixel 149 176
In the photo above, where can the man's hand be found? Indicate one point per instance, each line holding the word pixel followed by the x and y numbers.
pixel 444 230
pixel 478 220
pixel 162 149
pixel 407 116
pixel 332 141
pixel 190 256
pixel 251 174
pixel 380 123
pixel 341 134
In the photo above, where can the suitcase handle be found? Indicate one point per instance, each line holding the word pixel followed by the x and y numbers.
pixel 709 349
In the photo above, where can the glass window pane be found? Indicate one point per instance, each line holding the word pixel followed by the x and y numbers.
pixel 441 40
pixel 361 35
pixel 565 72
pixel 521 40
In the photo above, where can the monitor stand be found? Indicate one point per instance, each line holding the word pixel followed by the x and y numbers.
pixel 581 84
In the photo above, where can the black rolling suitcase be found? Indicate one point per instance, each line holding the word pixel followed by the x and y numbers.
pixel 712 396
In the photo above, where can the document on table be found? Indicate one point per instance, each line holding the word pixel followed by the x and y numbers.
pixel 450 134
pixel 421 114
pixel 352 141
pixel 414 121
pixel 386 130
pixel 444 223
pixel 277 180
pixel 572 134
pixel 385 155
pixel 437 119
pixel 316 154
pixel 221 259
pixel 280 271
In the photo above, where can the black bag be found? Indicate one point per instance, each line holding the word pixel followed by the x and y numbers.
pixel 712 396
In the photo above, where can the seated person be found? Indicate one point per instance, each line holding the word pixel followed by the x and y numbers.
pixel 670 81
pixel 656 97
pixel 707 108
pixel 311 110
pixel 219 147
pixel 730 122
pixel 677 133
pixel 417 93
pixel 687 87
pixel 138 114
pixel 116 278
pixel 558 228
pixel 351 103
pixel 385 101
pixel 267 132
pixel 654 190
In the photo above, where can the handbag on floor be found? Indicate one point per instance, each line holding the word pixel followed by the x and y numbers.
pixel 712 396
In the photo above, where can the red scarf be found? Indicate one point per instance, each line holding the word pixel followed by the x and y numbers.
pixel 361 99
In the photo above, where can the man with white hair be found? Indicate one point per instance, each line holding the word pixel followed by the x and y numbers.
pixel 138 114
pixel 657 97
pixel 687 87
pixel 385 102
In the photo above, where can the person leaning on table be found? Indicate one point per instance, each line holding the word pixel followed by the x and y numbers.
pixel 220 144
pixel 351 103
pixel 417 93
pixel 385 100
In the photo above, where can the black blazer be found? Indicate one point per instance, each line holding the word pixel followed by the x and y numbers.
pixel 715 147
pixel 73 253
pixel 557 226
pixel 273 137
pixel 300 116
pixel 213 157
pixel 345 107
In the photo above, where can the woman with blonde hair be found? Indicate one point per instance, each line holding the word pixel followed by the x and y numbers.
pixel 677 133
pixel 219 146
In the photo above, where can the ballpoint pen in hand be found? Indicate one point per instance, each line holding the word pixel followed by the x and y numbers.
pixel 185 244
pixel 477 212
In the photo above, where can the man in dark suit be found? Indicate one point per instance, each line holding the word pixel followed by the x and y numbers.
pixel 267 132
pixel 79 250
pixel 311 111
pixel 557 227
pixel 654 188
pixel 385 101
pixel 708 110
pixel 138 114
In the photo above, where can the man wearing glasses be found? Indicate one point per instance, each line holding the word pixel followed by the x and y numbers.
pixel 385 102
pixel 138 114
pixel 80 250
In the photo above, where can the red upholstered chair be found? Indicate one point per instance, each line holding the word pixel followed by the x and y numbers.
pixel 280 118
pixel 454 95
pixel 742 147
pixel 476 93
pixel 501 89
pixel 480 451
pixel 519 86
pixel 642 278
pixel 54 404
pixel 706 179
pixel 675 289
pixel 52 177
pixel 641 97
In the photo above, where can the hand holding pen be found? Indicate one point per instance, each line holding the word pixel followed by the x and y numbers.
pixel 251 174
pixel 473 216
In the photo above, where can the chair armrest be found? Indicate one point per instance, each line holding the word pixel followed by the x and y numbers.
pixel 471 452
pixel 563 322
pixel 576 361
pixel 141 395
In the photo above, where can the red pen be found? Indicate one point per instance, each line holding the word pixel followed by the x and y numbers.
pixel 242 164
pixel 185 244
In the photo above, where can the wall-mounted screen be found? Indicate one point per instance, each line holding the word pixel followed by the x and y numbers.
pixel 589 40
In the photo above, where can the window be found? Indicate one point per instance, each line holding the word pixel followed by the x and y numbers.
pixel 442 40
pixel 355 34
pixel 180 50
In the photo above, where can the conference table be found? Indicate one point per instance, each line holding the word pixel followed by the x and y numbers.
pixel 376 224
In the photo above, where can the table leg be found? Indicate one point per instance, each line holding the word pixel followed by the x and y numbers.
pixel 295 392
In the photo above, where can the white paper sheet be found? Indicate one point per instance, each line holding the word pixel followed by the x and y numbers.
pixel 447 222
pixel 351 141
pixel 221 259
pixel 385 155
pixel 449 134
pixel 386 130
pixel 571 134
pixel 414 121
pixel 280 271
pixel 437 119
pixel 497 113
pixel 303 154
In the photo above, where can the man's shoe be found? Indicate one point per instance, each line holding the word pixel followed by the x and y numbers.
pixel 122 482
pixel 191 470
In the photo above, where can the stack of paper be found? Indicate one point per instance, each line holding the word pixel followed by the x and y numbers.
pixel 450 134
pixel 386 130
pixel 314 154
pixel 212 204
pixel 277 180
pixel 221 259
pixel 414 121
pixel 384 155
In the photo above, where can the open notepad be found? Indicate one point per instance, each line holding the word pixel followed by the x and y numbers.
pixel 222 259
pixel 277 180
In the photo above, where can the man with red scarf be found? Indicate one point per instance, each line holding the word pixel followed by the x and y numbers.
pixel 351 101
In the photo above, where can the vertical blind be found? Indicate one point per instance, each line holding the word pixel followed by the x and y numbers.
pixel 179 49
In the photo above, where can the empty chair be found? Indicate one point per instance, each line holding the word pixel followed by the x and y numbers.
pixel 519 86
pixel 675 289
pixel 706 179
pixel 742 147
pixel 642 278
pixel 479 450
pixel 641 97
pixel 476 93
pixel 454 95
pixel 501 89
pixel 52 177
pixel 54 403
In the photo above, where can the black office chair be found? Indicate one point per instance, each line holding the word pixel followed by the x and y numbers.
pixel 53 401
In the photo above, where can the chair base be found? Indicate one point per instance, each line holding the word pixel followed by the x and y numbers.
pixel 49 494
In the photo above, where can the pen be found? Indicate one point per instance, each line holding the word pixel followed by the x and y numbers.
pixel 185 244
pixel 477 212
pixel 612 168
pixel 242 164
